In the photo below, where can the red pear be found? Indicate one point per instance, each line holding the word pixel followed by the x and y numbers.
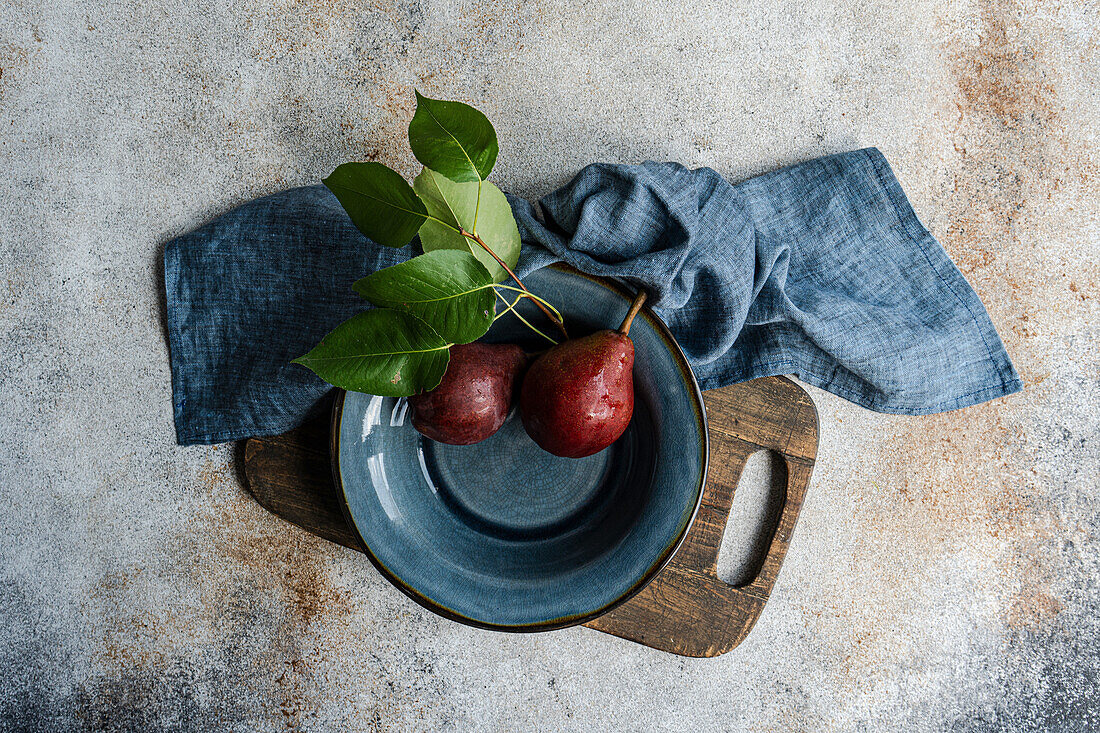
pixel 578 397
pixel 473 400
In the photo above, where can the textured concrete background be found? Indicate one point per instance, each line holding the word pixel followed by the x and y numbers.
pixel 945 573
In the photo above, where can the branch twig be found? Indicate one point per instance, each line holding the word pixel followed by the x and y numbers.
pixel 502 263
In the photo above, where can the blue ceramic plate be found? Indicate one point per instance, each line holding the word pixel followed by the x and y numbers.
pixel 503 535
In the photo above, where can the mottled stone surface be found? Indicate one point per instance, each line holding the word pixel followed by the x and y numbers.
pixel 945 573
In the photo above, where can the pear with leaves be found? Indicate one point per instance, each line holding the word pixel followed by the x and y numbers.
pixel 427 308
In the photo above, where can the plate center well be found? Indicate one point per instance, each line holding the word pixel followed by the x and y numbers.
pixel 509 487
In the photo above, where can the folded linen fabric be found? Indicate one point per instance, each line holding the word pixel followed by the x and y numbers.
pixel 821 270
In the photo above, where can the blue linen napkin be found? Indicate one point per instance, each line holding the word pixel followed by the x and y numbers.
pixel 821 270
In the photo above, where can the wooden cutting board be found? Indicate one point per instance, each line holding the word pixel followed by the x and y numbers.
pixel 687 609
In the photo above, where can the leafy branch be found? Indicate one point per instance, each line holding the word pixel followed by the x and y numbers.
pixel 445 296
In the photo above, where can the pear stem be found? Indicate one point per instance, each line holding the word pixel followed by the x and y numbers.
pixel 635 306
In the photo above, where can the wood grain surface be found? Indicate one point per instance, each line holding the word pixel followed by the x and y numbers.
pixel 687 609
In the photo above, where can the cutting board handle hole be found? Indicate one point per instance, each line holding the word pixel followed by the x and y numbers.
pixel 757 504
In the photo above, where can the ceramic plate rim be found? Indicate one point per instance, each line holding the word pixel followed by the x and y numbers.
pixel 566 621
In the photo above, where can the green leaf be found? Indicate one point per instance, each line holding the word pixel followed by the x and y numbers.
pixel 455 204
pixel 380 351
pixel 379 201
pixel 448 289
pixel 453 138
